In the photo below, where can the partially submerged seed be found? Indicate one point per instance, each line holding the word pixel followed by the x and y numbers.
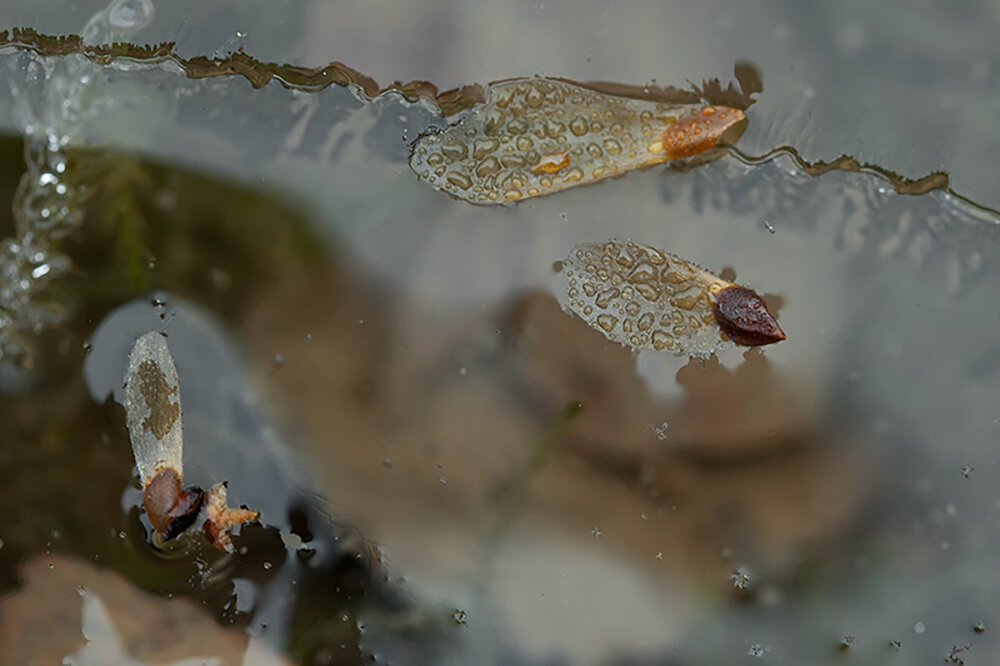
pixel 538 136
pixel 744 318
pixel 155 426
pixel 645 298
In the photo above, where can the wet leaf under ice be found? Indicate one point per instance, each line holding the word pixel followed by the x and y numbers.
pixel 60 596
pixel 645 298
pixel 155 428
pixel 538 136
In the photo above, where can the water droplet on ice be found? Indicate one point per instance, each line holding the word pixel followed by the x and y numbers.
pixel 741 578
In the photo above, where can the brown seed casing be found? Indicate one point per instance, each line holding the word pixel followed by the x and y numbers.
pixel 171 509
pixel 744 318
pixel 160 497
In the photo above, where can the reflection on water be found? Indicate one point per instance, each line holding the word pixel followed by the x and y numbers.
pixel 536 492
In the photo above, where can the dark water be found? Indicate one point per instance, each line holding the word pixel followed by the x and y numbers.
pixel 449 468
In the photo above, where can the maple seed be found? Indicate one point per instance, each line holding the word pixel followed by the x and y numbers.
pixel 155 428
pixel 160 497
pixel 537 136
pixel 743 316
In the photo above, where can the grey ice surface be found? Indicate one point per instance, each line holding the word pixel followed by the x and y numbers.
pixel 889 300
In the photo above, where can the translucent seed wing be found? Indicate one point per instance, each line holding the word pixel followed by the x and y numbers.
pixel 644 298
pixel 153 407
pixel 538 136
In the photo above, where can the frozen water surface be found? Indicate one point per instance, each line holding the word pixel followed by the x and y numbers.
pixel 450 468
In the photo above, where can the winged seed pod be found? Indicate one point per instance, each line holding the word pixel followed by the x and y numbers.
pixel 538 136
pixel 645 298
pixel 155 428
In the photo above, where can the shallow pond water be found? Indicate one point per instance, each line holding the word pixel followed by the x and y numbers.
pixel 450 467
